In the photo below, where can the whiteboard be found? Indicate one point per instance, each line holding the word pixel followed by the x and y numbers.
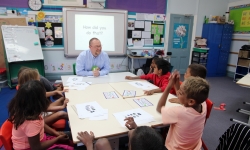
pixel 21 43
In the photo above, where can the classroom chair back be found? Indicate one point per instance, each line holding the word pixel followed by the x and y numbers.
pixel 5 135
pixel 209 108
pixel 74 68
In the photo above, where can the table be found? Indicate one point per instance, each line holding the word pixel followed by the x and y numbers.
pixel 110 78
pixel 245 82
pixel 109 128
pixel 132 61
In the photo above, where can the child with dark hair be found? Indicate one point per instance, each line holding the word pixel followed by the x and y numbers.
pixel 140 138
pixel 159 77
pixel 186 120
pixel 54 112
pixel 47 84
pixel 25 111
pixel 145 69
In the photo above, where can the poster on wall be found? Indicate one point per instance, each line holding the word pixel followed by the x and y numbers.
pixel 245 19
pixel 180 37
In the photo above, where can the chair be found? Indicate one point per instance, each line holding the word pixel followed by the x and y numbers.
pixel 5 135
pixel 59 125
pixel 209 108
pixel 74 68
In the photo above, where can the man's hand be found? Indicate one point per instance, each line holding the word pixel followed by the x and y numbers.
pixel 96 73
pixel 150 92
pixel 174 100
pixel 128 77
pixel 86 138
pixel 130 124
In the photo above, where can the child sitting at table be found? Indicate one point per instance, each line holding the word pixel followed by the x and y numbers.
pixel 55 107
pixel 186 120
pixel 46 83
pixel 25 111
pixel 159 77
pixel 141 138
pixel 151 67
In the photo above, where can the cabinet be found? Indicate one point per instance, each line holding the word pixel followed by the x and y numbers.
pixel 199 56
pixel 219 38
pixel 242 66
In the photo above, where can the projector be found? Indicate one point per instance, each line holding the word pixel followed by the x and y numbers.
pixel 98 1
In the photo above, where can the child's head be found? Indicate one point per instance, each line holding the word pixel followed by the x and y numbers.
pixel 28 104
pixel 28 74
pixel 153 61
pixel 162 67
pixel 21 70
pixel 196 70
pixel 193 91
pixel 145 138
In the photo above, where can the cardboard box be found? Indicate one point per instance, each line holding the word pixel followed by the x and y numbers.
pixel 244 54
pixel 244 62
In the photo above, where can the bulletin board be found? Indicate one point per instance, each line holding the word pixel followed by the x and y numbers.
pixel 8 21
pixel 241 17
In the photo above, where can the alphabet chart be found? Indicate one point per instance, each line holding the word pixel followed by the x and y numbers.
pixel 110 95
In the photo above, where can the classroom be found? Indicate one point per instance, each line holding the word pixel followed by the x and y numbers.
pixel 115 72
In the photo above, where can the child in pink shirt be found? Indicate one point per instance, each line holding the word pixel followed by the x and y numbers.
pixel 25 111
pixel 187 120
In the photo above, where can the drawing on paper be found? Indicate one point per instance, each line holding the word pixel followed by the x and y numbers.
pixel 90 108
pixel 61 67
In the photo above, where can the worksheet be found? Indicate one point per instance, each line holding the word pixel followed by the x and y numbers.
pixel 90 109
pixel 74 79
pixel 143 85
pixel 77 85
pixel 140 116
pixel 143 102
pixel 110 95
pixel 129 93
pixel 101 117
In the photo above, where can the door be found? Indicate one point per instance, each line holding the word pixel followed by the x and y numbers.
pixel 179 43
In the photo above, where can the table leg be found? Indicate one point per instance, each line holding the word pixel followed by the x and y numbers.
pixel 132 65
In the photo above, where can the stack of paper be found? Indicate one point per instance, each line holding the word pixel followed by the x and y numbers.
pixel 139 115
pixel 143 85
pixel 77 83
pixel 91 110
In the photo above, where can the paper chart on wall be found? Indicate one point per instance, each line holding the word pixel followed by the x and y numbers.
pixel 136 34
pixel 131 24
pixel 139 24
pixel 140 116
pixel 90 109
pixel 147 26
pixel 146 34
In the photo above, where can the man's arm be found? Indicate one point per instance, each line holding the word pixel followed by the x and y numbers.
pixel 106 67
pixel 80 69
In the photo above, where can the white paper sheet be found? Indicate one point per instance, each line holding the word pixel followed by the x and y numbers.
pixel 41 32
pixel 138 44
pixel 136 34
pixel 130 42
pixel 105 116
pixel 140 116
pixel 147 26
pixel 149 17
pixel 139 24
pixel 142 85
pixel 77 85
pixel 129 93
pixel 110 95
pixel 90 109
pixel 146 35
pixel 149 42
pixel 143 102
pixel 74 79
pixel 58 32
pixel 140 16
pixel 131 24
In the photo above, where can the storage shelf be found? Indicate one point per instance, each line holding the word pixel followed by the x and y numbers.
pixel 240 74
pixel 242 66
pixel 243 58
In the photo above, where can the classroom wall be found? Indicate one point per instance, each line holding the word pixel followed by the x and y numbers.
pixel 237 41
pixel 207 8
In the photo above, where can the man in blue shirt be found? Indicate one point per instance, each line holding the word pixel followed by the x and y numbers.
pixel 93 62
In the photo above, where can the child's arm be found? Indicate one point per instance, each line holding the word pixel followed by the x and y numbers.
pixel 57 108
pixel 151 92
pixel 166 92
pixel 177 81
pixel 131 78
pixel 87 139
pixel 130 124
pixel 52 93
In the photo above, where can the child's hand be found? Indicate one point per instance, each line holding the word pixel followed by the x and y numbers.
pixel 63 138
pixel 65 102
pixel 66 90
pixel 59 93
pixel 128 77
pixel 130 124
pixel 150 92
pixel 86 138
pixel 174 100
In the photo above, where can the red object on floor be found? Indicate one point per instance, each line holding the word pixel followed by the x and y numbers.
pixel 2 70
pixel 222 107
